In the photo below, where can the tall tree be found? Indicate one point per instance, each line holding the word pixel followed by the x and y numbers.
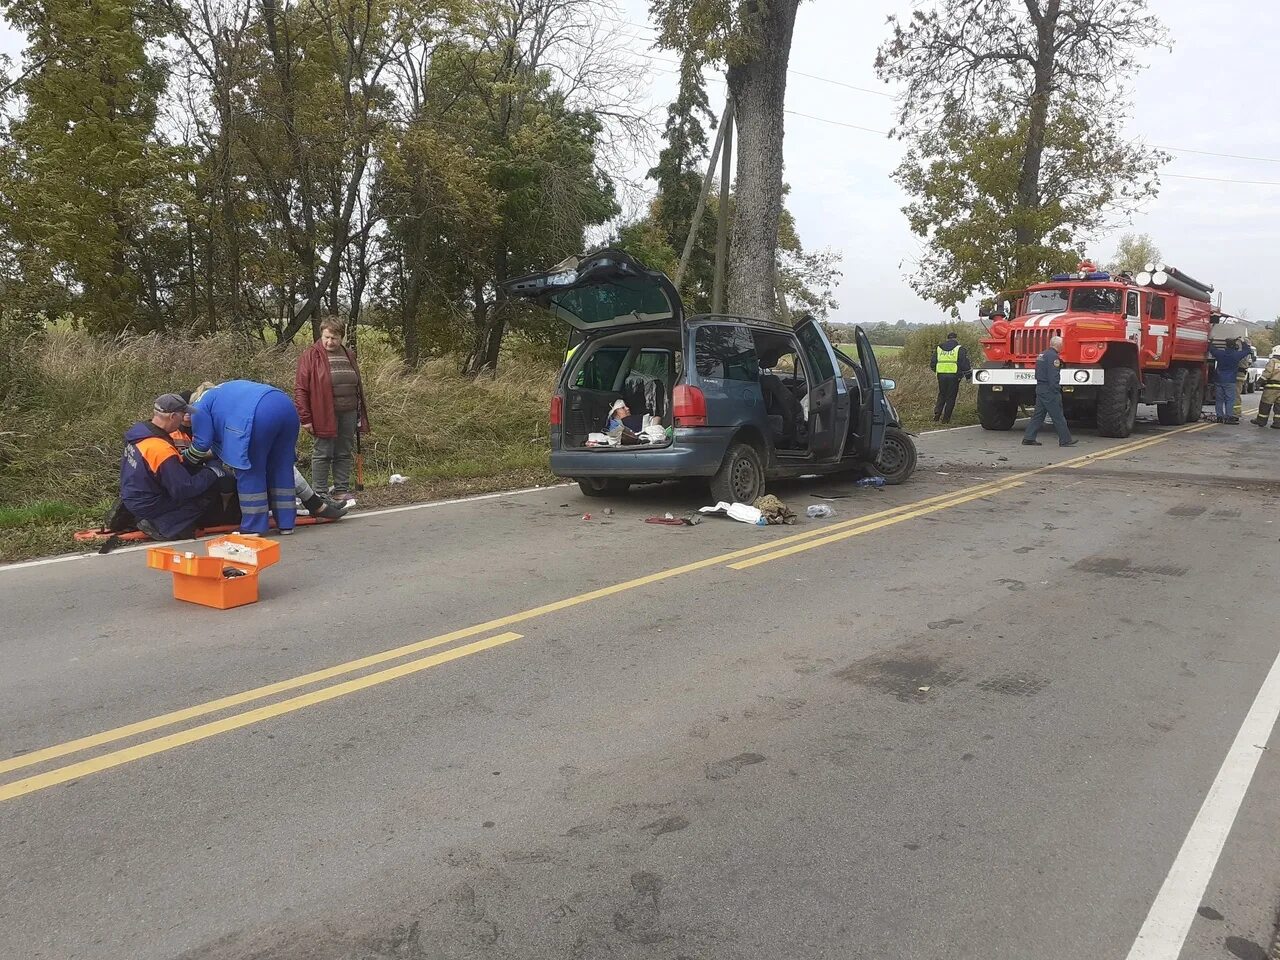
pixel 752 38
pixel 1133 252
pixel 1021 84
pixel 85 183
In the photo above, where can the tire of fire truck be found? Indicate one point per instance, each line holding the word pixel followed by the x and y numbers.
pixel 1195 402
pixel 996 411
pixel 1174 412
pixel 1118 403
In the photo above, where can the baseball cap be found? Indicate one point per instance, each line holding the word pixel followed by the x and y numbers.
pixel 171 403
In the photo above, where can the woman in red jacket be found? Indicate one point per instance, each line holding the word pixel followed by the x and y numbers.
pixel 329 396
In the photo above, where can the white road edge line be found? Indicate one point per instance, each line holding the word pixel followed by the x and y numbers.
pixel 1165 930
pixel 358 515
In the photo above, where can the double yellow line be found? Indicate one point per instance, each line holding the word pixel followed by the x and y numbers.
pixel 737 560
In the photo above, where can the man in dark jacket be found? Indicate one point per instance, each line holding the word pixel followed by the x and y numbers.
pixel 168 498
pixel 1224 379
pixel 1049 397
pixel 951 363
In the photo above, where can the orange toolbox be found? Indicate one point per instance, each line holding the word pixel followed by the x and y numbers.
pixel 226 578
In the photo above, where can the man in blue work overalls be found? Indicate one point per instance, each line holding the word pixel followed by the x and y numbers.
pixel 1049 397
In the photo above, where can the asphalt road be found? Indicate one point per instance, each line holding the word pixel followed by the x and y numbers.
pixel 1015 708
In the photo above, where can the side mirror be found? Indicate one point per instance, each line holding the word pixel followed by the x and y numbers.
pixel 986 310
pixel 889 384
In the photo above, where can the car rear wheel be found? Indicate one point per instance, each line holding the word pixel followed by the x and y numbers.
pixel 1173 412
pixel 897 460
pixel 740 478
pixel 602 487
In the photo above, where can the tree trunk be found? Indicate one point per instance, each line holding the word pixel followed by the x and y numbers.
pixel 759 90
pixel 1025 234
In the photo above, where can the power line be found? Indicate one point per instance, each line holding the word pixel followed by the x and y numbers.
pixel 836 123
pixel 1210 153
pixel 1256 183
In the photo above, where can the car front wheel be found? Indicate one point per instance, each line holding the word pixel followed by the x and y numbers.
pixel 897 460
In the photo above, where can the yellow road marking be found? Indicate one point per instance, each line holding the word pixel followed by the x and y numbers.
pixel 774 548
pixel 1138 445
pixel 858 531
pixel 205 730
pixel 328 673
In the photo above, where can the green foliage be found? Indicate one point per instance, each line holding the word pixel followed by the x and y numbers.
pixel 86 186
pixel 921 342
pixel 1133 252
pixel 1015 117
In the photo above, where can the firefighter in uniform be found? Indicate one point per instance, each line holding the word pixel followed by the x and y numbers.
pixel 1049 397
pixel 1270 401
pixel 951 364
pixel 1242 377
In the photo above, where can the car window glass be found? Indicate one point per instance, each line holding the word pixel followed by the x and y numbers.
pixel 726 353
pixel 600 371
pixel 1131 304
pixel 1157 308
pixel 816 352
pixel 653 364
pixel 639 299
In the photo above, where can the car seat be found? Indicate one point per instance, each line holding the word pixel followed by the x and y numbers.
pixel 780 403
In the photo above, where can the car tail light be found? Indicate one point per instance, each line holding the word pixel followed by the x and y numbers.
pixel 557 410
pixel 689 406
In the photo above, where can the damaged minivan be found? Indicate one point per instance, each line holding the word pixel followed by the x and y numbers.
pixel 734 401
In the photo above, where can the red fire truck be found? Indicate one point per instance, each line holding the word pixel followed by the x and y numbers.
pixel 1126 340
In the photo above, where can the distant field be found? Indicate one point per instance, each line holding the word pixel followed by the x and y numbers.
pixel 880 349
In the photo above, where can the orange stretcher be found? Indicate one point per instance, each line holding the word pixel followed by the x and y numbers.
pixel 137 536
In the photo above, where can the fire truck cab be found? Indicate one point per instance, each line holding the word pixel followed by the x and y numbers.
pixel 1126 341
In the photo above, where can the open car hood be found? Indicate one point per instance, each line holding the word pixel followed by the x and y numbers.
pixel 601 291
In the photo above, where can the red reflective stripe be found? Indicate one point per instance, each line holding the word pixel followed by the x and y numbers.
pixel 155 451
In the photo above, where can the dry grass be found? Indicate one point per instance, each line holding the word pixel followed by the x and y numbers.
pixel 67 399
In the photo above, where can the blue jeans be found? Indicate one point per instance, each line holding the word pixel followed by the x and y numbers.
pixel 1224 399
pixel 1048 403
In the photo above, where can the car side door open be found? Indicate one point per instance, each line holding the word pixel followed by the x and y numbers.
pixel 829 405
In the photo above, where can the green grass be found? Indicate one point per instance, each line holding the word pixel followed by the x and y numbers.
pixel 881 350
pixel 66 399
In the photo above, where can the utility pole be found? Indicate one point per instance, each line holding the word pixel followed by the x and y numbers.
pixel 722 225
pixel 702 196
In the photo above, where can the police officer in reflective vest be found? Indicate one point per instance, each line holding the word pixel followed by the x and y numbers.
pixel 951 364
pixel 1270 392
pixel 1049 397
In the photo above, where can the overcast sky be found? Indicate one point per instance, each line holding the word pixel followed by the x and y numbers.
pixel 1214 91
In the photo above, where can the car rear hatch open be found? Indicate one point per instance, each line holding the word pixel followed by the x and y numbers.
pixel 605 290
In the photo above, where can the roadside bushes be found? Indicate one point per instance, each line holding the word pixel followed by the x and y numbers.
pixel 66 398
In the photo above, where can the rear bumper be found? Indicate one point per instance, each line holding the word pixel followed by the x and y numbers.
pixel 695 452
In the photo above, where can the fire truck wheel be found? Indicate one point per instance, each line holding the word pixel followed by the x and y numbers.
pixel 996 411
pixel 1195 402
pixel 1118 403
pixel 1174 412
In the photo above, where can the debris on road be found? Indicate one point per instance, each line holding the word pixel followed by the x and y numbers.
pixel 742 512
pixel 819 511
pixel 774 510
pixel 396 479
